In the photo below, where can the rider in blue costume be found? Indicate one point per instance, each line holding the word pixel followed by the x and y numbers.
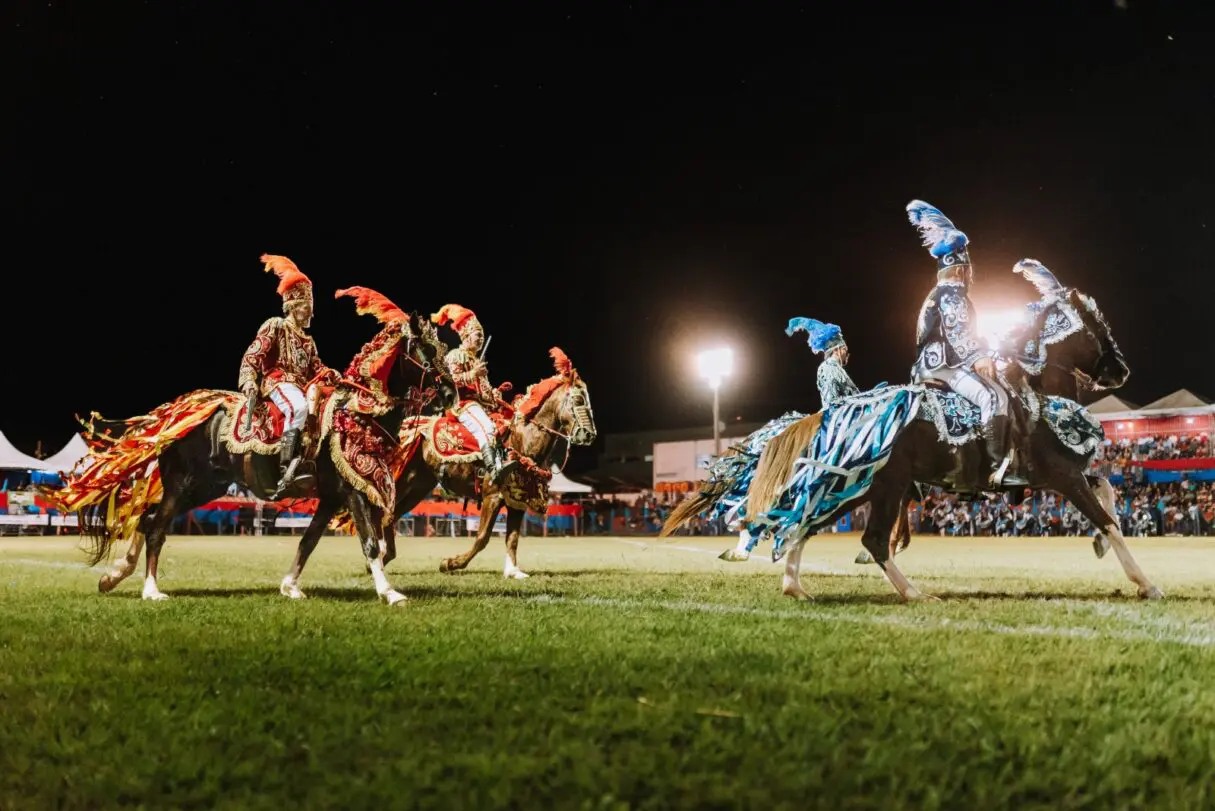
pixel 834 384
pixel 948 348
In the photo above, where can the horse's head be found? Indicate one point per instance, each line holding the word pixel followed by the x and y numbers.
pixel 387 364
pixel 1067 339
pixel 560 403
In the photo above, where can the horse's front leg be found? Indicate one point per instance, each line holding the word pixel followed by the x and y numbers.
pixel 311 537
pixel 491 505
pixel 1097 505
pixel 514 522
pixel 370 537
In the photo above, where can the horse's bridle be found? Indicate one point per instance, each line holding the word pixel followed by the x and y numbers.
pixel 553 431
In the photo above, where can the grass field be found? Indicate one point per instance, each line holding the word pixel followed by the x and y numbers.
pixel 626 673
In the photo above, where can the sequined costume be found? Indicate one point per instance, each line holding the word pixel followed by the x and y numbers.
pixel 948 347
pixel 282 360
pixel 834 385
pixel 479 402
pixel 825 339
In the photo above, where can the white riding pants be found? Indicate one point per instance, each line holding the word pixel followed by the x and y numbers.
pixel 290 400
pixel 989 397
pixel 478 423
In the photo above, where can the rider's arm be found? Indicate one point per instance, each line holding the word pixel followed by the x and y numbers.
pixel 257 359
pixel 463 369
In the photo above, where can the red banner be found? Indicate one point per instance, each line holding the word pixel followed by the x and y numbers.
pixel 1197 463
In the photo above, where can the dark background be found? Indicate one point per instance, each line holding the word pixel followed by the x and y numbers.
pixel 630 183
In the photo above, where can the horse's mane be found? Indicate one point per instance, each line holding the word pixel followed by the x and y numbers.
pixel 530 401
pixel 527 404
pixel 374 360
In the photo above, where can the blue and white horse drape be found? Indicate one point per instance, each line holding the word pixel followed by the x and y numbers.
pixel 851 446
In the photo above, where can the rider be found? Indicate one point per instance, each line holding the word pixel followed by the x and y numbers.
pixel 468 371
pixel 282 360
pixel 834 384
pixel 947 346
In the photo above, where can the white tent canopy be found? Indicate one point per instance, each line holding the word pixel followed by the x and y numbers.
pixel 560 484
pixel 13 459
pixel 69 455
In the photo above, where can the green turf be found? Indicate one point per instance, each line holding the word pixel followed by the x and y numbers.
pixel 624 674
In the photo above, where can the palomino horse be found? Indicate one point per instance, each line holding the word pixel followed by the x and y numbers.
pixel 548 418
pixel 1085 351
pixel 184 448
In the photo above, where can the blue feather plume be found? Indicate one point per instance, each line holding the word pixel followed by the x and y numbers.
pixel 1037 275
pixel 820 335
pixel 941 236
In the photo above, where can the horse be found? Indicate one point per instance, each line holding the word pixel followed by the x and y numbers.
pixel 548 418
pixel 189 452
pixel 1071 345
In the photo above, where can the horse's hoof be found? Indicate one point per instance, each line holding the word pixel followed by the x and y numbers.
pixel 155 595
pixel 734 556
pixel 864 557
pixel 445 565
pixel 914 596
pixel 106 584
pixel 1101 545
pixel 395 598
pixel 291 590
pixel 516 574
pixel 1151 593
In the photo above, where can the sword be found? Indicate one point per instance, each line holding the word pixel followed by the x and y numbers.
pixel 250 402
pixel 485 348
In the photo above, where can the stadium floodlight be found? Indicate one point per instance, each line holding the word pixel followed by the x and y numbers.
pixel 715 365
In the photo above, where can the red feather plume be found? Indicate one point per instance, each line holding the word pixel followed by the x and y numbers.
pixel 369 302
pixel 288 274
pixel 561 363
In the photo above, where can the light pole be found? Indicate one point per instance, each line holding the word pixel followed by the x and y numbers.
pixel 714 365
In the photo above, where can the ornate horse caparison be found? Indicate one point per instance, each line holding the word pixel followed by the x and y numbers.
pixel 548 418
pixel 196 466
pixel 1088 355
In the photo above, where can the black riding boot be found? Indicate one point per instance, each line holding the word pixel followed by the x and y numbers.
pixel 497 465
pixel 288 460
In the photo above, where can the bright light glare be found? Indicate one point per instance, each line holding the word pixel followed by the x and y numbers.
pixel 714 364
pixel 995 326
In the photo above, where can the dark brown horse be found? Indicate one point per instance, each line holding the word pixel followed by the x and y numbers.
pixel 383 385
pixel 1086 354
pixel 548 418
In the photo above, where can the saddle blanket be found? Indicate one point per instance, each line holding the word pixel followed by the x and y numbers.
pixel 445 435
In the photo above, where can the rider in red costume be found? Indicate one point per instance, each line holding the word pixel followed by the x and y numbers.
pixel 281 362
pixel 478 399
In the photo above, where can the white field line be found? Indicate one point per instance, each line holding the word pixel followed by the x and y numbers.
pixel 1178 633
pixel 53 564
pixel 813 568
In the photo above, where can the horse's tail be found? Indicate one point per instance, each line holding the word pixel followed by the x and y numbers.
pixel 710 492
pixel 776 463
pixel 119 483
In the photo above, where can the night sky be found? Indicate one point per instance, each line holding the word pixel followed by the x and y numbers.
pixel 628 183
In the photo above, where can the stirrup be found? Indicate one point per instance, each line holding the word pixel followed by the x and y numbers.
pixel 287 480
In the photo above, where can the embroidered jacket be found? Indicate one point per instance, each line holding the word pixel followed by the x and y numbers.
pixel 281 353
pixel 473 384
pixel 945 332
pixel 834 383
